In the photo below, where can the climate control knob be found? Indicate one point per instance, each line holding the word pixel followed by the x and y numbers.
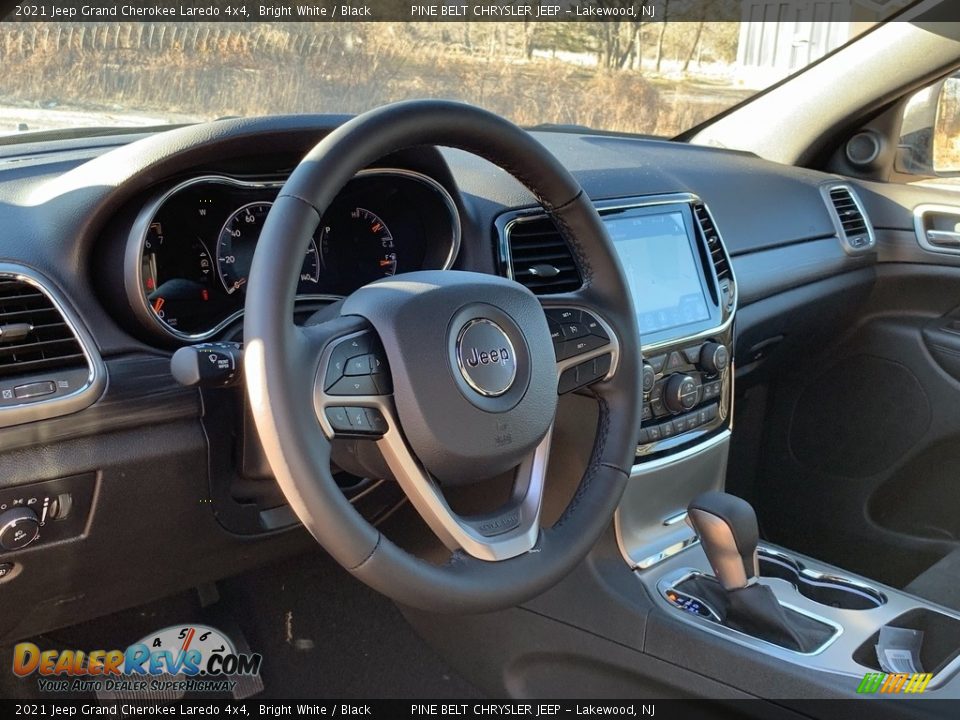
pixel 18 528
pixel 680 393
pixel 714 357
pixel 649 377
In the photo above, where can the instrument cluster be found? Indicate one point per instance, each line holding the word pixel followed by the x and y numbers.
pixel 191 249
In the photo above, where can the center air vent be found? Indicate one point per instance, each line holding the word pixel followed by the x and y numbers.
pixel 540 257
pixel 718 254
pixel 854 230
pixel 34 336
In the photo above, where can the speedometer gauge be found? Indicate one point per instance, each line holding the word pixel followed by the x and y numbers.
pixel 357 244
pixel 238 241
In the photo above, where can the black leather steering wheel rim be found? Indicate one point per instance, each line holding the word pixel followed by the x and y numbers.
pixel 278 359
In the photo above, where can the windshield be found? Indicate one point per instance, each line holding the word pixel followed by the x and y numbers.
pixel 655 78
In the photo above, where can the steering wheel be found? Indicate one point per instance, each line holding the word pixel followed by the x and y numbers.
pixel 453 374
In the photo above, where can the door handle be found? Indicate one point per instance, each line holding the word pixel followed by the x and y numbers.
pixel 943 238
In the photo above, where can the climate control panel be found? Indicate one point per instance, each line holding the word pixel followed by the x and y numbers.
pixel 686 388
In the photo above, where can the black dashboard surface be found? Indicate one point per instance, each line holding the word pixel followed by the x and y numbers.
pixel 58 209
pixel 157 449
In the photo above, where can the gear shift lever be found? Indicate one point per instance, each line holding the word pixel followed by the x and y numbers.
pixel 727 527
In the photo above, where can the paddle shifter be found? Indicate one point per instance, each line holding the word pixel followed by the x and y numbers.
pixel 727 526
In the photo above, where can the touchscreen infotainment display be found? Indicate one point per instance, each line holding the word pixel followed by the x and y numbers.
pixel 657 257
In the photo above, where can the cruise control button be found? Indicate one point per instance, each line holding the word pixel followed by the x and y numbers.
pixel 337 417
pixel 574 330
pixel 569 348
pixel 358 385
pixel 556 334
pixel 563 315
pixel 593 325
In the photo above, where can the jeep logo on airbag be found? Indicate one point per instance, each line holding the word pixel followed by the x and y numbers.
pixel 486 358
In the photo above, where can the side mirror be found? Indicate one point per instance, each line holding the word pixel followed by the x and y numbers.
pixel 930 132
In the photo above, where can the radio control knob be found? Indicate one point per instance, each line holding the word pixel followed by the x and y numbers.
pixel 649 377
pixel 18 528
pixel 680 393
pixel 714 357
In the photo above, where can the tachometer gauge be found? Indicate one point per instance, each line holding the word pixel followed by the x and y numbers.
pixel 357 245
pixel 175 275
pixel 238 241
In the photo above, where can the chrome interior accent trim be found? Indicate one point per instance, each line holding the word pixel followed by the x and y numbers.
pixel 97 372
pixel 508 220
pixel 858 626
pixel 670 583
pixel 838 225
pixel 663 487
pixel 923 239
pixel 138 238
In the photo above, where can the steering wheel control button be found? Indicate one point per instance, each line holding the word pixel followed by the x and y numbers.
pixel 338 419
pixel 579 332
pixel 5 570
pixel 354 385
pixel 378 424
pixel 18 528
pixel 357 366
pixel 583 374
pixel 486 358
pixel 356 421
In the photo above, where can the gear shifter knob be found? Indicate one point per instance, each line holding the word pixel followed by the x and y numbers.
pixel 727 526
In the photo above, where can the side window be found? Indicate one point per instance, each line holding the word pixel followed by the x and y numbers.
pixel 929 143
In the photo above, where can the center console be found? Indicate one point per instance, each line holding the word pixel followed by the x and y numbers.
pixel 685 298
pixel 697 568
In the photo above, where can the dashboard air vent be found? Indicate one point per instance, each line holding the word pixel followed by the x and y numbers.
pixel 541 259
pixel 855 231
pixel 718 255
pixel 34 336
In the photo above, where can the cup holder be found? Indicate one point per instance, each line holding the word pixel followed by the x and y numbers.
pixel 830 590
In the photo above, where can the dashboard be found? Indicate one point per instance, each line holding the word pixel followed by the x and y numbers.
pixel 191 246
pixel 145 243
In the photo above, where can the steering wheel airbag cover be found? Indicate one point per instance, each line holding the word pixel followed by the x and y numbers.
pixel 459 435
